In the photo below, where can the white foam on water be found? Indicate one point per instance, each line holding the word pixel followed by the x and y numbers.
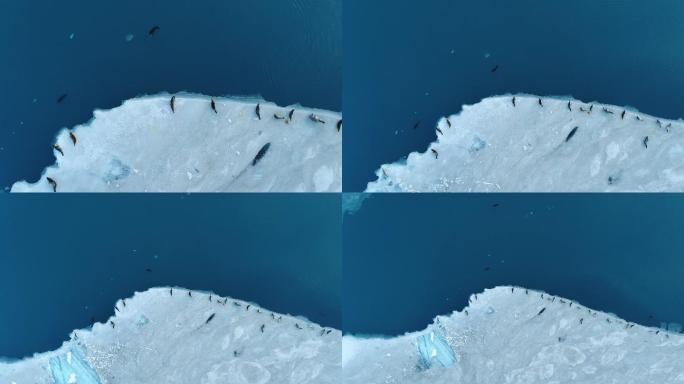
pixel 143 146
pixel 494 146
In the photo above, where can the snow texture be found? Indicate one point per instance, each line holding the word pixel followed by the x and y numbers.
pixel 159 337
pixel 513 335
pixel 144 146
pixel 543 145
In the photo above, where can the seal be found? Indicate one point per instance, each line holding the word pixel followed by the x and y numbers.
pixel 58 148
pixel 260 155
pixel 571 134
pixel 53 183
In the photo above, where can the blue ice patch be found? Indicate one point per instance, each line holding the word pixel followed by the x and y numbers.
pixel 117 171
pixel 71 367
pixel 434 347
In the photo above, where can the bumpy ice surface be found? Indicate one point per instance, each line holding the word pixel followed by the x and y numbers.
pixel 497 146
pixel 512 335
pixel 157 337
pixel 144 146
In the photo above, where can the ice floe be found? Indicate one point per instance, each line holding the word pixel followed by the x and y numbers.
pixel 514 335
pixel 173 335
pixel 525 143
pixel 149 145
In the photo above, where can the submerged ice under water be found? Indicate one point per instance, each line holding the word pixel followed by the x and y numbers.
pixel 531 144
pixel 167 335
pixel 149 145
pixel 513 335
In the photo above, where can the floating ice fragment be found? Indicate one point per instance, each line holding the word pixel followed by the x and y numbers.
pixel 352 202
pixel 130 37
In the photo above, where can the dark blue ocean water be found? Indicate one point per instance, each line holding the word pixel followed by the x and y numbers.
pixel 399 67
pixel 408 258
pixel 66 259
pixel 287 51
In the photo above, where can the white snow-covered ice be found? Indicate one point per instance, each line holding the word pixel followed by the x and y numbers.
pixel 513 336
pixel 143 146
pixel 494 146
pixel 157 337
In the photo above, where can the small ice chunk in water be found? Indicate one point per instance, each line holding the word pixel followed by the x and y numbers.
pixel 130 37
pixel 71 36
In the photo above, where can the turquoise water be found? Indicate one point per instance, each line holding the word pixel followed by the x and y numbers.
pixel 67 259
pixel 408 258
pixel 287 51
pixel 415 61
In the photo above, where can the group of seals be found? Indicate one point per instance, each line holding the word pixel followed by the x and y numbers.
pixel 257 111
pixel 58 148
pixel 172 104
pixel 605 110
pixel 514 102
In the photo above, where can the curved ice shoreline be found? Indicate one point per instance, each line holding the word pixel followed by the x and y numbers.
pixel 494 146
pixel 172 335
pixel 514 335
pixel 505 335
pixel 144 146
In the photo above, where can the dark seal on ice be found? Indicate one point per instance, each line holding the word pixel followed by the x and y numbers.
pixel 260 155
pixel 52 183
